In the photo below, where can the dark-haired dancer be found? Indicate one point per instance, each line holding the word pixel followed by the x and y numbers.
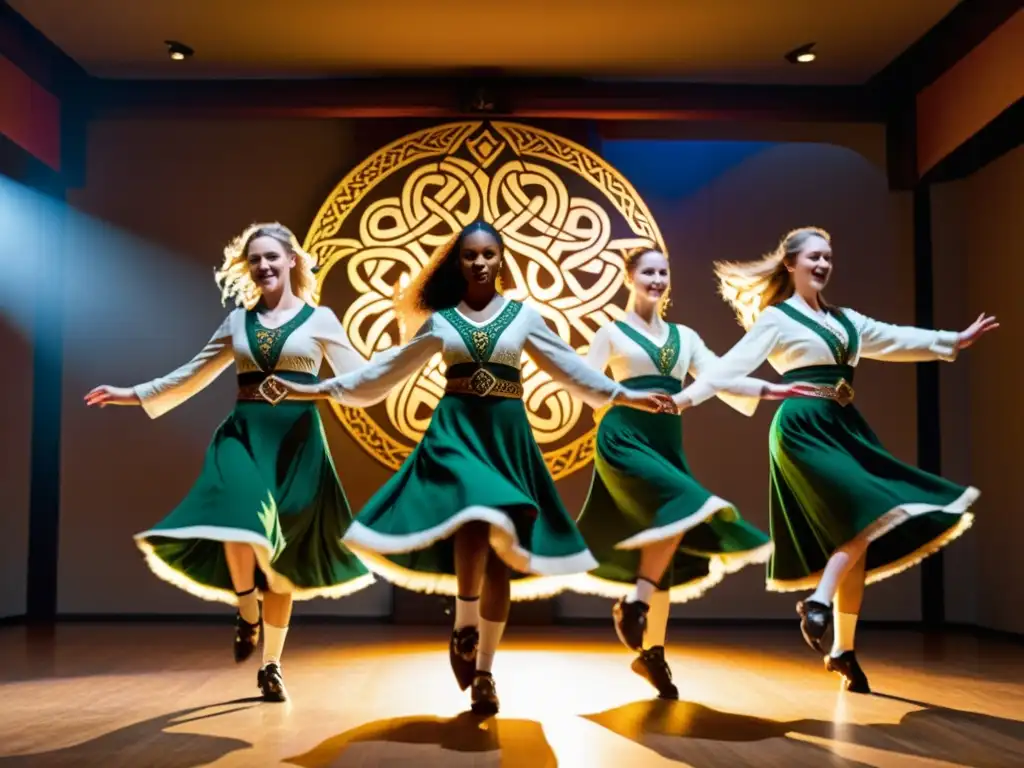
pixel 267 513
pixel 475 498
pixel 844 512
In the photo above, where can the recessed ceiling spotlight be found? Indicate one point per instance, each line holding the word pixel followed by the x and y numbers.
pixel 178 51
pixel 803 55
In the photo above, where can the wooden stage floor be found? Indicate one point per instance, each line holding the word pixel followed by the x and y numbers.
pixel 169 696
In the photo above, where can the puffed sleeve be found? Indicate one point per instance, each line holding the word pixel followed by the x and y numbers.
pixel 161 395
pixel 902 343
pixel 339 353
pixel 703 360
pixel 731 372
pixel 371 382
pixel 600 350
pixel 561 362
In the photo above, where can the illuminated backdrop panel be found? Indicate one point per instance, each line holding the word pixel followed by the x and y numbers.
pixel 567 218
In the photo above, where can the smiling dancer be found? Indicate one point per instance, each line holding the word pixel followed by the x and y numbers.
pixel 267 513
pixel 658 535
pixel 475 499
pixel 844 512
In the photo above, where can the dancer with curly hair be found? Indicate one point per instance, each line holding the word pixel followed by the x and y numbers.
pixel 267 514
pixel 473 512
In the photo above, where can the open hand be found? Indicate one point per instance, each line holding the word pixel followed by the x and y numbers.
pixel 982 325
pixel 106 395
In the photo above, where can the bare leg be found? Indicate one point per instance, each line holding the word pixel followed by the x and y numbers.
pixel 842 560
pixel 629 615
pixel 471 548
pixel 842 658
pixel 655 558
pixel 242 566
pixel 241 559
pixel 277 609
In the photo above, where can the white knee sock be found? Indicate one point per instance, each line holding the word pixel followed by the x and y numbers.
pixel 249 606
pixel 843 632
pixel 273 643
pixel 642 591
pixel 467 612
pixel 657 619
pixel 490 637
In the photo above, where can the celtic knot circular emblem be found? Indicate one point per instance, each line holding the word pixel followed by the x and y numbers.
pixel 567 218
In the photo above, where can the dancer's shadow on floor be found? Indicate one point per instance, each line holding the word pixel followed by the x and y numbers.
pixel 704 737
pixel 146 743
pixel 952 735
pixel 429 741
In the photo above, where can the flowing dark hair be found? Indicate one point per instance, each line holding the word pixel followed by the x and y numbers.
pixel 440 284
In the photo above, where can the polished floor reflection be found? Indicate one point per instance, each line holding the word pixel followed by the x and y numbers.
pixel 168 696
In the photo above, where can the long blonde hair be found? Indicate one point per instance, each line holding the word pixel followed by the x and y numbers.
pixel 440 284
pixel 750 287
pixel 632 259
pixel 234 280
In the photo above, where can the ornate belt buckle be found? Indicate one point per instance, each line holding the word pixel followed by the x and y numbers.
pixel 844 392
pixel 272 391
pixel 482 382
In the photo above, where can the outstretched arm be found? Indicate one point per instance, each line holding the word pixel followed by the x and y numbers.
pixel 561 362
pixel 159 396
pixel 730 374
pixel 372 382
pixel 339 353
pixel 742 394
pixel 907 344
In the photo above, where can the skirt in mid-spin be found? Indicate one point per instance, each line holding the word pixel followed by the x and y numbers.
pixel 267 480
pixel 477 461
pixel 643 492
pixel 831 480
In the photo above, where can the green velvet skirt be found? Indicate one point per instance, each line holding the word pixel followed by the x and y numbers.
pixel 643 492
pixel 477 462
pixel 267 480
pixel 831 480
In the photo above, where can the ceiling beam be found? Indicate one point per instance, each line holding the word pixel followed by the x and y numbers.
pixel 435 97
pixel 942 46
pixel 35 55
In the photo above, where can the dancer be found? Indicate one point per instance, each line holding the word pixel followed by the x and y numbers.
pixel 658 535
pixel 267 513
pixel 475 498
pixel 844 512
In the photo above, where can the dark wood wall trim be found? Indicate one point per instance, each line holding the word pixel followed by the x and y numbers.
pixel 444 98
pixel 953 37
pixel 35 55
pixel 44 481
pixel 929 424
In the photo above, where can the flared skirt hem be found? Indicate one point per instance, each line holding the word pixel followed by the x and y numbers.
pixel 719 566
pixel 887 523
pixel 277 582
pixel 707 510
pixel 546 575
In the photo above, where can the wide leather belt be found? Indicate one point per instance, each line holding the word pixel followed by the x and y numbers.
pixel 842 392
pixel 269 390
pixel 483 383
pixel 488 380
